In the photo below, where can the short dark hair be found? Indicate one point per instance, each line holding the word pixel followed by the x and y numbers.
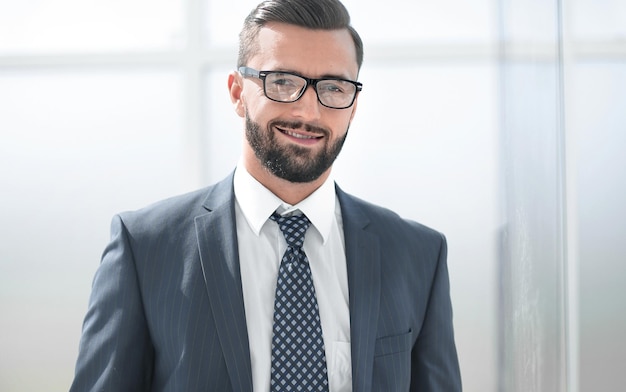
pixel 312 14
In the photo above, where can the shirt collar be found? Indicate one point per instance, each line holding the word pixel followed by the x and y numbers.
pixel 257 203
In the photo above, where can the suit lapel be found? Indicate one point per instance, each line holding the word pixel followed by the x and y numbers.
pixel 363 262
pixel 217 242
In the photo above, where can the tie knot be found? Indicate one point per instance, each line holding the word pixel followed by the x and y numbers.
pixel 293 227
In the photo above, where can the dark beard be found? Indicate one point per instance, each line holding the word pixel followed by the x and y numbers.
pixel 282 161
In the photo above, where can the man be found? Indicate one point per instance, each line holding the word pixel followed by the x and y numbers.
pixel 195 294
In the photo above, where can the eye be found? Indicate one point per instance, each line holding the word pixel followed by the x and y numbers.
pixel 284 81
pixel 333 87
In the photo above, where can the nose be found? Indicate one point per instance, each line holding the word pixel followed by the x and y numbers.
pixel 308 106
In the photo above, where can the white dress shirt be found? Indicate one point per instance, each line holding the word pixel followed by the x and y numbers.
pixel 261 247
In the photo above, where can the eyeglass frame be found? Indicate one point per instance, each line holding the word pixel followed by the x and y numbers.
pixel 251 72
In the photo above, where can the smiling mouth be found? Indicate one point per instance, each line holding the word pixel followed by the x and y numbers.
pixel 298 135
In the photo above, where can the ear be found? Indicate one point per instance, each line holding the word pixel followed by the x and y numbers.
pixel 235 88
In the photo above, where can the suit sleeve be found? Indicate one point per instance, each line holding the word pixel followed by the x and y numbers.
pixel 115 352
pixel 434 362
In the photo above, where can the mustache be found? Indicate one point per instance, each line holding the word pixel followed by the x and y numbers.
pixel 299 124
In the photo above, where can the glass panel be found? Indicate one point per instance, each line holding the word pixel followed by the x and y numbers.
pixel 77 147
pixel 39 26
pixel 532 22
pixel 598 121
pixel 401 21
pixel 532 292
pixel 397 22
pixel 597 19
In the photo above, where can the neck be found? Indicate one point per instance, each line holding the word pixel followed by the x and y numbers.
pixel 289 192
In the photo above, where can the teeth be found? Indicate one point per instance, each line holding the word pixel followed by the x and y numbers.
pixel 299 136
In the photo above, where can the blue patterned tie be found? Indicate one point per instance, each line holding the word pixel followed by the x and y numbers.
pixel 298 356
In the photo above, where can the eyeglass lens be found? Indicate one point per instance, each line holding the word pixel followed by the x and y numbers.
pixel 285 87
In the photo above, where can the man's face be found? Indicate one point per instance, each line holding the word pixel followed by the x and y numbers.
pixel 296 141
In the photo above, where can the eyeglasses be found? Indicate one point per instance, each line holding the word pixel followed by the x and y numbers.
pixel 288 87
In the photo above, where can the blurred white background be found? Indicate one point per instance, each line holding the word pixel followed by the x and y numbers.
pixel 500 123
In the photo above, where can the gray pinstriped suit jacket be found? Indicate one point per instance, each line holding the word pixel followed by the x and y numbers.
pixel 166 311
